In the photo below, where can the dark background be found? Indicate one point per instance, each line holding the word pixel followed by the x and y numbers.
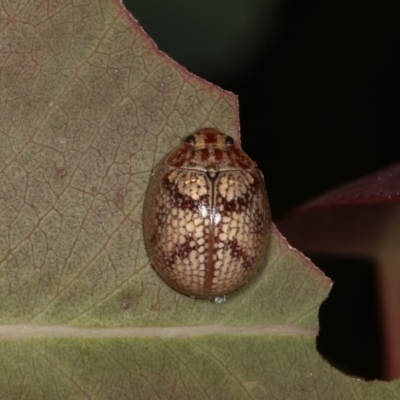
pixel 316 82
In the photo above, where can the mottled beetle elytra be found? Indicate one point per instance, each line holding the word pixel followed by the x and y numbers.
pixel 206 216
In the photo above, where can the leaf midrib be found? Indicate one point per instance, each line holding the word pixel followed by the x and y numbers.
pixel 28 331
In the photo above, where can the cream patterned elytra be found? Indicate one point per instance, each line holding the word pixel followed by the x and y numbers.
pixel 206 217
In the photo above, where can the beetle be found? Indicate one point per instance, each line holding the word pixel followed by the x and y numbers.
pixel 206 216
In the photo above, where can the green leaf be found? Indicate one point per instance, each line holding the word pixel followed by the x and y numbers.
pixel 88 106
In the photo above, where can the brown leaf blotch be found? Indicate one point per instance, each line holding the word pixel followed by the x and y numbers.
pixel 61 172
pixel 120 198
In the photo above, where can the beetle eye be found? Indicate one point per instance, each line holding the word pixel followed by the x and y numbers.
pixel 190 139
pixel 229 141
